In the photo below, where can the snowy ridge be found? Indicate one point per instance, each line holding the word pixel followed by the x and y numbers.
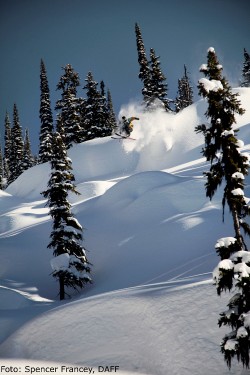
pixel 149 230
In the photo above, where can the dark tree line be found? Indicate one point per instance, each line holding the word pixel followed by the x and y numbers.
pixel 245 81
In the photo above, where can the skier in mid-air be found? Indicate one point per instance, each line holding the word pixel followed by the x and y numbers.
pixel 127 126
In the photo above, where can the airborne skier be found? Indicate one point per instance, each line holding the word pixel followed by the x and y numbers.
pixel 127 126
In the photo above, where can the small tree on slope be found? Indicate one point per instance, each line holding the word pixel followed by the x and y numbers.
pixel 28 160
pixel 7 147
pixel 70 265
pixel 228 165
pixel 245 82
pixel 16 151
pixel 1 169
pixel 95 114
pixel 68 106
pixel 185 92
pixel 159 87
pixel 46 130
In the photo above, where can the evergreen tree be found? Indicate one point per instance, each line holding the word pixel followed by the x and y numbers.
pixel 185 92
pixel 60 127
pixel 69 106
pixel 95 114
pixel 70 265
pixel 108 116
pixel 230 166
pixel 28 160
pixel 103 122
pixel 111 113
pixel 144 73
pixel 46 130
pixel 157 83
pixel 1 169
pixel 246 70
pixel 16 152
pixel 7 147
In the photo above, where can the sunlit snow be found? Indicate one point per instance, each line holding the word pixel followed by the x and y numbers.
pixel 149 231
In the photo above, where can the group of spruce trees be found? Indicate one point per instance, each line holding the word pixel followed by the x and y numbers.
pixel 155 88
pixel 78 119
pixel 17 156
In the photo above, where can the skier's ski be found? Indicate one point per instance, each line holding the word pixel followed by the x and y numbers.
pixel 119 136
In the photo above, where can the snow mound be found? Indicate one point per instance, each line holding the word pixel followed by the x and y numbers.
pixel 133 329
pixel 143 194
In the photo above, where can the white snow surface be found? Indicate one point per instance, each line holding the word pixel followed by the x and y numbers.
pixel 150 233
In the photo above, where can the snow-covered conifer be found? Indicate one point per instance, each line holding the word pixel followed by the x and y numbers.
pixel 1 169
pixel 95 114
pixel 159 87
pixel 144 73
pixel 111 114
pixel 46 130
pixel 69 107
pixel 109 121
pixel 228 165
pixel 70 265
pixel 185 92
pixel 7 147
pixel 104 116
pixel 16 152
pixel 245 82
pixel 28 160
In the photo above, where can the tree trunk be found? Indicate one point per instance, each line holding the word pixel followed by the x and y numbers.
pixel 237 226
pixel 62 290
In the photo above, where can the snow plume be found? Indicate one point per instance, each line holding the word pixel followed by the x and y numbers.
pixel 153 134
pixel 150 125
pixel 158 133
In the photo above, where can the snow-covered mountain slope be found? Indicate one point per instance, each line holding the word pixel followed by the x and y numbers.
pixel 156 329
pixel 149 230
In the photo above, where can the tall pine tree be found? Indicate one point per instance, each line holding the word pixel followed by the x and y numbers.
pixel 46 118
pixel 111 113
pixel 95 111
pixel 144 73
pixel 245 82
pixel 7 147
pixel 16 152
pixel 159 87
pixel 230 166
pixel 185 92
pixel 1 169
pixel 70 265
pixel 69 106
pixel 28 160
pixel 108 119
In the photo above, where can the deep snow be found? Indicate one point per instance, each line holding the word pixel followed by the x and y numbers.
pixel 150 232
